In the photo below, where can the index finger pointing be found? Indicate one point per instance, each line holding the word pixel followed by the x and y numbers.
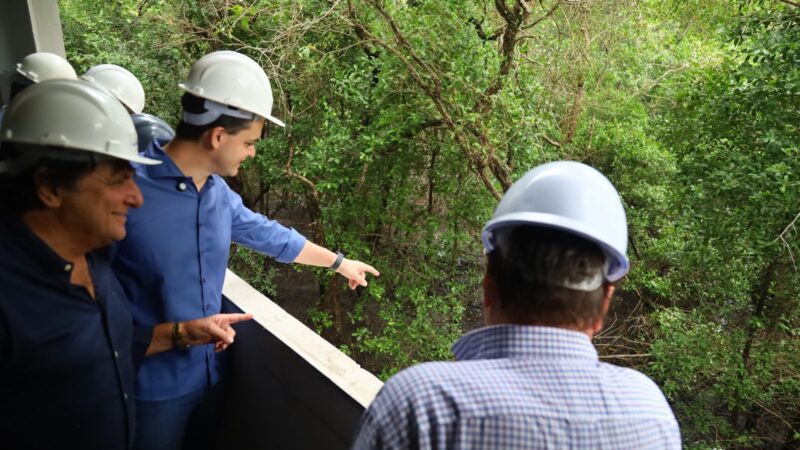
pixel 233 318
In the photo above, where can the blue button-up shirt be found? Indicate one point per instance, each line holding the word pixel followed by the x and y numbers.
pixel 172 264
pixel 66 368
pixel 519 387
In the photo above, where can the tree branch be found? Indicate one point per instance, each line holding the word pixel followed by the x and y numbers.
pixel 482 34
pixel 545 16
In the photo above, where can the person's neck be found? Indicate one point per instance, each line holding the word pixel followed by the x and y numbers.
pixel 47 227
pixel 190 158
pixel 502 319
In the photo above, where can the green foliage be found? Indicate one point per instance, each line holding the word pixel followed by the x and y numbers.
pixel 403 116
pixel 252 267
pixel 130 34
pixel 734 132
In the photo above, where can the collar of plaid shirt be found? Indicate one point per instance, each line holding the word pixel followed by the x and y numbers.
pixel 525 341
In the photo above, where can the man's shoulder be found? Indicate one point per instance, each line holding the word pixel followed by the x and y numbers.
pixel 427 383
pixel 433 372
pixel 629 377
pixel 471 380
pixel 419 375
pixel 636 388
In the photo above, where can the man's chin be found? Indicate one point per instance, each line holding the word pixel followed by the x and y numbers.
pixel 118 236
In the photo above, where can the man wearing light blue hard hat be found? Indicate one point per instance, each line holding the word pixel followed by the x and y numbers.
pixel 531 378
pixel 125 87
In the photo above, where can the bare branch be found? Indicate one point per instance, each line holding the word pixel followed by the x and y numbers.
pixel 482 34
pixel 790 226
pixel 551 141
pixel 782 238
pixel 545 16
pixel 415 65
pixel 661 77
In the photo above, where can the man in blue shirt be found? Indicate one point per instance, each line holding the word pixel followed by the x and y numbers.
pixel 67 346
pixel 531 379
pixel 172 263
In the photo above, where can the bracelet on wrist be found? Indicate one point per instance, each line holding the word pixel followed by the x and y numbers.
pixel 338 262
pixel 179 337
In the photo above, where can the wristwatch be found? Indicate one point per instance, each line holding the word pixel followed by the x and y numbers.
pixel 179 337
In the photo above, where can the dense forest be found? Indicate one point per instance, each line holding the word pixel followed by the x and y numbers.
pixel 408 119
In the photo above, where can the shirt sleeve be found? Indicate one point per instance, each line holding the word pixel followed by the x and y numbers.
pixel 368 437
pixel 388 423
pixel 673 434
pixel 257 232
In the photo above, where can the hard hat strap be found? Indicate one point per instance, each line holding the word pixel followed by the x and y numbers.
pixel 213 111
pixel 587 284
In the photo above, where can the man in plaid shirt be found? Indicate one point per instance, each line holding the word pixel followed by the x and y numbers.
pixel 531 378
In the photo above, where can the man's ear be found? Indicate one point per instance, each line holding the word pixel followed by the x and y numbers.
pixel 49 196
pixel 488 292
pixel 490 304
pixel 213 137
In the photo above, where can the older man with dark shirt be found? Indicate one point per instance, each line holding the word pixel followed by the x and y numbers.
pixel 67 346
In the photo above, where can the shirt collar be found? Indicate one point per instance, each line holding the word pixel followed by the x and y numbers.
pixel 524 341
pixel 29 242
pixel 167 168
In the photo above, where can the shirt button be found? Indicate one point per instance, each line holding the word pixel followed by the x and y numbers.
pixel 67 267
pixel 208 307
pixel 201 252
pixel 204 279
pixel 116 354
pixel 125 395
pixel 181 186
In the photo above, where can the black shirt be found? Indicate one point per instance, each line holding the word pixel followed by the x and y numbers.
pixel 66 364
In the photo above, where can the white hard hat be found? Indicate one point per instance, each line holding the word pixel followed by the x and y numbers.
pixel 232 79
pixel 72 115
pixel 120 83
pixel 571 197
pixel 43 66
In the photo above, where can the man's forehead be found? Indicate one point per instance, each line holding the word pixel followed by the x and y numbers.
pixel 113 166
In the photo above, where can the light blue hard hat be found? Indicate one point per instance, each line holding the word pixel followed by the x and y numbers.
pixel 571 197
pixel 149 128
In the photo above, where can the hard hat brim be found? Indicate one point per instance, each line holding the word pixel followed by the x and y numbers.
pixel 199 93
pixel 276 121
pixel 142 160
pixel 618 264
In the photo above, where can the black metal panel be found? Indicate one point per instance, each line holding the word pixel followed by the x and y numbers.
pixel 276 400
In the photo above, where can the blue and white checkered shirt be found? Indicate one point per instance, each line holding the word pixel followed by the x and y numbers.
pixel 519 387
